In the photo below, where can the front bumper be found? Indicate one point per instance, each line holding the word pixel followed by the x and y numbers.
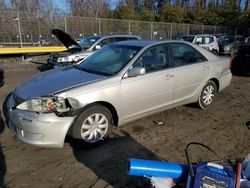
pixel 45 130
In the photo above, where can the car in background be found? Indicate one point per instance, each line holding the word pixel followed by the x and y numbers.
pixel 77 51
pixel 45 42
pixel 1 77
pixel 240 64
pixel 219 35
pixel 208 42
pixel 247 40
pixel 119 83
pixel 229 44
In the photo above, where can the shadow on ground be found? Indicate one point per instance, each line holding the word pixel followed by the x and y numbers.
pixel 2 157
pixel 109 161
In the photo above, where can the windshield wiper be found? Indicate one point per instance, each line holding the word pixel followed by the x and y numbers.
pixel 92 71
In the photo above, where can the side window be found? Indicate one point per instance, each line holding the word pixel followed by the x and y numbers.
pixel 198 40
pixel 132 38
pixel 121 38
pixel 154 59
pixel 208 40
pixel 104 42
pixel 184 54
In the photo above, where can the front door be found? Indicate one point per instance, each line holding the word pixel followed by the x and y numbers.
pixel 155 89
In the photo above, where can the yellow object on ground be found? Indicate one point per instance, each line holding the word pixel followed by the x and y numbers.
pixel 30 50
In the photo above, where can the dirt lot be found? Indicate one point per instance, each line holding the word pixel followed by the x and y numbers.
pixel 222 127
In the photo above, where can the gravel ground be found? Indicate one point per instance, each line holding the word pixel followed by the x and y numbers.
pixel 222 127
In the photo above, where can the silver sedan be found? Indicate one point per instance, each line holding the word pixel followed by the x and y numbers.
pixel 120 83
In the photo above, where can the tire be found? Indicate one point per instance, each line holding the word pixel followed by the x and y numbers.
pixel 207 95
pixel 214 51
pixel 92 127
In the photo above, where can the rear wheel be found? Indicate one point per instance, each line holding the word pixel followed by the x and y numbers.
pixel 207 95
pixel 93 126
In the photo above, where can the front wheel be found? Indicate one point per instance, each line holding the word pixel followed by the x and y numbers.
pixel 207 95
pixel 93 126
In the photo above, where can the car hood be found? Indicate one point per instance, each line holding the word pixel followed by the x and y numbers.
pixel 54 81
pixel 65 38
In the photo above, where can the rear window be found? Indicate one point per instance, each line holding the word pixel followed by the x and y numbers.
pixel 188 38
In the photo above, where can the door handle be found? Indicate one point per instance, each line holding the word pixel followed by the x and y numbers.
pixel 168 76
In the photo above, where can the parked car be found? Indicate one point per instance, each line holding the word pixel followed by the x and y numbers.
pixel 119 83
pixel 247 40
pixel 1 77
pixel 77 51
pixel 240 64
pixel 45 42
pixel 229 44
pixel 208 42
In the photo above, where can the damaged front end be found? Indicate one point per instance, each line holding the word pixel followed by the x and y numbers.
pixel 50 104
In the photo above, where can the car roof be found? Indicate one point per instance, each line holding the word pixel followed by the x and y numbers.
pixel 199 35
pixel 147 43
pixel 140 43
pixel 116 35
pixel 144 43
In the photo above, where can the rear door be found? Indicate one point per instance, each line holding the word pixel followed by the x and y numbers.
pixel 191 70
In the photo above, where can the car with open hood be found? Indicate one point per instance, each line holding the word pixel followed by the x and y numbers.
pixel 77 51
pixel 118 84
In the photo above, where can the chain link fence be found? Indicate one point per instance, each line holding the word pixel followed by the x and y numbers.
pixel 25 28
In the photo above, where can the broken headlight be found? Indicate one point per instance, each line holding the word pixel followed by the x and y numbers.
pixel 46 104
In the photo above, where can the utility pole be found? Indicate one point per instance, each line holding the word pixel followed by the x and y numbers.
pixel 19 29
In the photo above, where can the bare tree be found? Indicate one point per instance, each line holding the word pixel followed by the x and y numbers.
pixel 89 8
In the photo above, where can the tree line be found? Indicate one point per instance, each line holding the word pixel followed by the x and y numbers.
pixel 230 13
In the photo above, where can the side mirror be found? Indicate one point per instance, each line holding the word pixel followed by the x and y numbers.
pixel 136 71
pixel 97 47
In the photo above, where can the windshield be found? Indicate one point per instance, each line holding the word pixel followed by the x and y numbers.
pixel 88 42
pixel 227 40
pixel 188 38
pixel 109 60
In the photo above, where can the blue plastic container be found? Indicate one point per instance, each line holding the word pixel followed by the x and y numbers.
pixel 139 167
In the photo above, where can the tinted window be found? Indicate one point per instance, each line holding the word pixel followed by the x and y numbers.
pixel 154 59
pixel 227 40
pixel 188 38
pixel 239 39
pixel 109 60
pixel 184 54
pixel 132 38
pixel 121 38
